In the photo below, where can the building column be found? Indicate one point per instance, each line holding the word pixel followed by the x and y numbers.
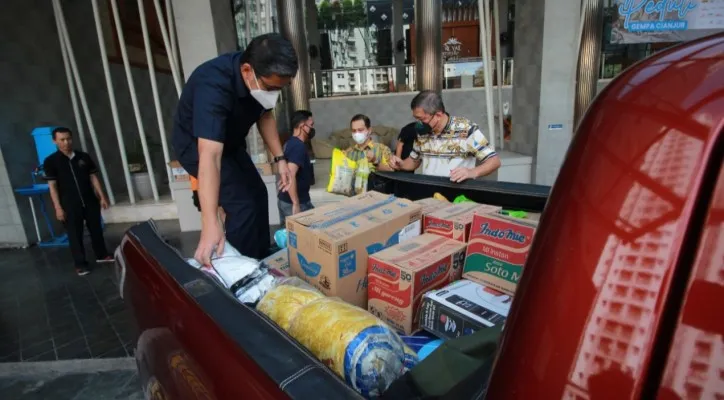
pixel 397 36
pixel 291 26
pixel 589 59
pixel 314 40
pixel 428 40
pixel 205 29
pixel 544 83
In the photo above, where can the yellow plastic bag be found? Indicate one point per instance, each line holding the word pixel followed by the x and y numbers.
pixel 283 302
pixel 360 348
pixel 341 175
pixel 361 176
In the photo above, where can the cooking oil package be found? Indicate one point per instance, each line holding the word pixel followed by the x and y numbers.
pixel 358 347
pixel 341 175
pixel 283 302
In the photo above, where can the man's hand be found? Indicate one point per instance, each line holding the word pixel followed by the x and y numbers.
pixel 462 174
pixel 284 177
pixel 60 214
pixel 395 162
pixel 212 241
pixel 296 209
pixel 104 203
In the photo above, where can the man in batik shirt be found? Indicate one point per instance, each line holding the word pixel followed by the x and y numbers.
pixel 447 146
pixel 377 153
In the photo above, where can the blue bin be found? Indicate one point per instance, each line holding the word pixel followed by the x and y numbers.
pixel 44 145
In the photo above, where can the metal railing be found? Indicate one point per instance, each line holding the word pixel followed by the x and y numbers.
pixel 358 81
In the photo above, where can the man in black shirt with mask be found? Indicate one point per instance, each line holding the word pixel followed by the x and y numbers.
pixel 296 199
pixel 221 101
pixel 77 197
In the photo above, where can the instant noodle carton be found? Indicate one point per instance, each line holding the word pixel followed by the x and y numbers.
pixel 463 308
pixel 430 205
pixel 497 250
pixel 400 275
pixel 454 222
pixel 328 246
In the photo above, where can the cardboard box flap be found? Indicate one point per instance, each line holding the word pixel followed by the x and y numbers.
pixel 463 211
pixel 419 252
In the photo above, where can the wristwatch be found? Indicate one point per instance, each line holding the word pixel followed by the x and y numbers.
pixel 280 158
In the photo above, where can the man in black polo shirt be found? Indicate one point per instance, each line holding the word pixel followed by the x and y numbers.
pixel 296 199
pixel 406 140
pixel 77 196
pixel 222 99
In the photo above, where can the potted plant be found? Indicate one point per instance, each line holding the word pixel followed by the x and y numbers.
pixel 140 178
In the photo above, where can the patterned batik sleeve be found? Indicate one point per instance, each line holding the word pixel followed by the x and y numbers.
pixel 415 153
pixel 385 154
pixel 478 145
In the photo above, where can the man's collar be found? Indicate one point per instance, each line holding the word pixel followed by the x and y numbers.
pixel 369 145
pixel 240 86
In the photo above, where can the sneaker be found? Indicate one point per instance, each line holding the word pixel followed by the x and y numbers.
pixel 82 271
pixel 104 260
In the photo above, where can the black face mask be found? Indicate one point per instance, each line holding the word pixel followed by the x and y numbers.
pixel 311 134
pixel 422 128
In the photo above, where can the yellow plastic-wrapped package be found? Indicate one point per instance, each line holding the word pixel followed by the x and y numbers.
pixel 282 302
pixel 360 348
pixel 341 175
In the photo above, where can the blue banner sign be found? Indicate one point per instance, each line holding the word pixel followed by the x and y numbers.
pixel 648 21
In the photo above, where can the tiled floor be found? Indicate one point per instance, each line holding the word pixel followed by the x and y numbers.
pixel 48 313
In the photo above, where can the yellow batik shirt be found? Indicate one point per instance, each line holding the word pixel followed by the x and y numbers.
pixel 381 152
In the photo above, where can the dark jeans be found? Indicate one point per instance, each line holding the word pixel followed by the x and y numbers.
pixel 75 217
pixel 243 197
pixel 285 210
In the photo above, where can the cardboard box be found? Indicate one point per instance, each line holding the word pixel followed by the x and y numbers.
pixel 463 308
pixel 329 245
pixel 430 205
pixel 278 262
pixel 401 274
pixel 266 169
pixel 454 222
pixel 497 250
pixel 178 173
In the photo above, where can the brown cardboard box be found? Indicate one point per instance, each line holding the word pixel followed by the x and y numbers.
pixel 400 275
pixel 454 222
pixel 278 262
pixel 430 205
pixel 497 250
pixel 266 169
pixel 328 246
pixel 178 173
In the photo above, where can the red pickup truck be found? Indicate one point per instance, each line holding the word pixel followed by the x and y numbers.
pixel 622 296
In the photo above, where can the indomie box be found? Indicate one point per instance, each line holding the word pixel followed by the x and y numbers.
pixel 454 222
pixel 430 205
pixel 497 250
pixel 463 308
pixel 401 274
pixel 329 245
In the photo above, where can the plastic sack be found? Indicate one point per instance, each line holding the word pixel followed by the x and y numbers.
pixel 462 199
pixel 361 176
pixel 358 347
pixel 283 302
pixel 280 238
pixel 341 175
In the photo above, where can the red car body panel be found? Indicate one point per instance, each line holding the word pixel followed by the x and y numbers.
pixel 590 304
pixel 625 269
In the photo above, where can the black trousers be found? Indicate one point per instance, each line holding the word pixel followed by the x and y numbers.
pixel 75 216
pixel 245 200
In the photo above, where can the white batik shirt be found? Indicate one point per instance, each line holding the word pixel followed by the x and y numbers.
pixel 460 144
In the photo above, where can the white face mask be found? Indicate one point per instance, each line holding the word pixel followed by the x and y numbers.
pixel 359 137
pixel 267 99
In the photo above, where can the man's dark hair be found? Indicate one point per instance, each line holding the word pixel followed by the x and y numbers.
pixel 61 129
pixel 271 54
pixel 299 117
pixel 361 117
pixel 429 101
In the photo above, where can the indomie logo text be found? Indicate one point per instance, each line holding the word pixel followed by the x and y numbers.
pixel 384 271
pixel 427 278
pixel 443 225
pixel 507 234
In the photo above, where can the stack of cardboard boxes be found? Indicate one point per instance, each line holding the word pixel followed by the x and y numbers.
pixel 450 269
